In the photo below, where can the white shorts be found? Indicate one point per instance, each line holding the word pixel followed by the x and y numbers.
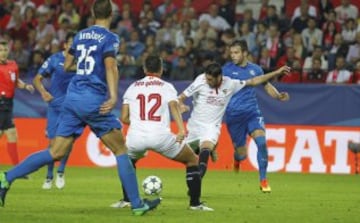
pixel 164 143
pixel 202 133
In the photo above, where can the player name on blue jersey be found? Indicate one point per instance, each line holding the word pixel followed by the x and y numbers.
pixel 92 35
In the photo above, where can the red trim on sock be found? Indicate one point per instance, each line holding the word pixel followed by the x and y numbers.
pixel 13 153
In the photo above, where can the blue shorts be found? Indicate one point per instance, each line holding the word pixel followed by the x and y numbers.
pixel 53 114
pixel 77 113
pixel 240 127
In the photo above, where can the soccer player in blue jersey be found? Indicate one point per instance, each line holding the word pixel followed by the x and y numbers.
pixel 53 68
pixel 243 115
pixel 91 96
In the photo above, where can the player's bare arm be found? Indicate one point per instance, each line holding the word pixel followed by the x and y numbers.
pixel 176 114
pixel 112 79
pixel 37 81
pixel 274 93
pixel 182 106
pixel 125 114
pixel 22 85
pixel 263 78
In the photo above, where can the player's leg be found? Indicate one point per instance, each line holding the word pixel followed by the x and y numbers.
pixel 206 147
pixel 11 135
pixel 51 125
pixel 262 158
pixel 33 163
pixel 125 201
pixel 237 130
pixel 60 173
pixel 114 140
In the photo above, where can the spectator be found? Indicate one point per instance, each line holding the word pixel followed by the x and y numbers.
pixel 44 31
pixel 144 29
pixel 250 38
pixel 312 35
pixel 271 16
pixel 23 5
pixel 62 31
pixel 20 55
pixel 318 53
pixel 204 32
pixel 29 19
pixel 227 11
pixel 331 19
pixel 184 33
pixel 349 31
pixel 300 22
pixel 354 51
pixel 215 21
pixel 315 74
pixel 324 7
pixel 294 76
pixel 125 25
pixel 329 34
pixel 165 36
pixel 154 25
pixel 164 9
pixel 340 75
pixel 339 48
pixel 135 47
pixel 304 4
pixel 263 9
pixel 289 59
pixel 70 13
pixel 346 11
pixel 265 60
pixel 37 59
pixel 185 11
pixel 246 18
pixel 146 7
pixel 261 34
pixel 274 45
pixel 184 70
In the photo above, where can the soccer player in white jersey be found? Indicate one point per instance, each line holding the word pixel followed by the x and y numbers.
pixel 145 107
pixel 211 93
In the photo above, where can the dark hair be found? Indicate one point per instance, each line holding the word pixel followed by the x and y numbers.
pixel 213 69
pixel 69 35
pixel 153 64
pixel 102 9
pixel 242 44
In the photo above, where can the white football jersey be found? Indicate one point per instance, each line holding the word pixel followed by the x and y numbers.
pixel 148 100
pixel 209 103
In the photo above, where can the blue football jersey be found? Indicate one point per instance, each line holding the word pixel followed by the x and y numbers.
pixel 89 48
pixel 59 79
pixel 243 102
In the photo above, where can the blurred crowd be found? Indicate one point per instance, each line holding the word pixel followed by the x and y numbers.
pixel 320 40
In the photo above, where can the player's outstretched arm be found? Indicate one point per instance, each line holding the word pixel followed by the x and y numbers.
pixel 274 93
pixel 37 81
pixel 176 114
pixel 263 78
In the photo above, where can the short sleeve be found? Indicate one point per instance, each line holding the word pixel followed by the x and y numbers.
pixel 238 85
pixel 111 47
pixel 45 68
pixel 194 86
pixel 172 93
pixel 126 99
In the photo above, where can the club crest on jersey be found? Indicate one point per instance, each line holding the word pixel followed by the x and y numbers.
pixel 12 75
pixel 252 72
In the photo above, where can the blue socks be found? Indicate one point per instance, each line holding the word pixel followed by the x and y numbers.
pixel 262 156
pixel 61 169
pixel 29 165
pixel 128 179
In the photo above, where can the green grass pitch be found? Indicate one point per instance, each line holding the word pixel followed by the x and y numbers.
pixel 235 198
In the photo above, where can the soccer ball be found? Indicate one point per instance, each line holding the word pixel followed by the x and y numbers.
pixel 152 185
